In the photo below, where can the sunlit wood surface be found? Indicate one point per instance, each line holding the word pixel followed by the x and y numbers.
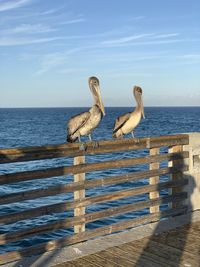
pixel 178 247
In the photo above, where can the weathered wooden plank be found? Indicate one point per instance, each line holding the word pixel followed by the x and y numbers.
pixel 71 187
pixel 183 251
pixel 98 261
pixel 115 259
pixel 134 255
pixel 86 218
pixel 123 253
pixel 73 150
pixel 41 248
pixel 61 207
pixel 79 194
pixel 83 262
pixel 145 252
pixel 83 168
pixel 140 248
pixel 169 254
pixel 154 179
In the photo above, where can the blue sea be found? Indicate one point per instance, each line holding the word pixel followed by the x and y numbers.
pixel 41 126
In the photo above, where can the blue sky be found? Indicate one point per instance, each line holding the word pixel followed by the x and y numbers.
pixel 48 49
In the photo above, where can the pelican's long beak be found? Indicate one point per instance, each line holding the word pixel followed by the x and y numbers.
pixel 98 99
pixel 95 89
pixel 100 103
pixel 142 107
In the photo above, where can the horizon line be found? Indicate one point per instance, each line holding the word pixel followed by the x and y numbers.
pixel 34 107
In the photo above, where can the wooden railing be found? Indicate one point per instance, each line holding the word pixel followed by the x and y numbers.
pixel 167 149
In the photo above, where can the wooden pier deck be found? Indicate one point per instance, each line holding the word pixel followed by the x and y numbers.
pixel 158 183
pixel 177 247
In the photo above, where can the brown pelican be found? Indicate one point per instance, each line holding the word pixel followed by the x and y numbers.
pixel 126 123
pixel 84 123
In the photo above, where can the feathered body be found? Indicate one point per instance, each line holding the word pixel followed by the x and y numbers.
pixel 84 123
pixel 126 123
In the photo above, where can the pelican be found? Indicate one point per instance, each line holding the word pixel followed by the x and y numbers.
pixel 128 122
pixel 85 122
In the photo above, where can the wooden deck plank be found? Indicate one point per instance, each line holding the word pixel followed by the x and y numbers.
pixel 144 254
pixel 170 255
pixel 98 261
pixel 81 262
pixel 115 258
pixel 175 248
pixel 134 256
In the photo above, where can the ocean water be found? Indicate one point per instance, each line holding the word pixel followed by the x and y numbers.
pixel 42 126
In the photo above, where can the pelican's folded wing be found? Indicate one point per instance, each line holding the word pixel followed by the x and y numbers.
pixel 120 121
pixel 77 121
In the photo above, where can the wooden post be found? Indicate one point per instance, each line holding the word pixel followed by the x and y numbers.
pixel 80 194
pixel 154 180
pixel 175 176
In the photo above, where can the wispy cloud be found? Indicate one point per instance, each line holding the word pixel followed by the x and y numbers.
pixel 39 15
pixel 7 5
pixel 163 36
pixel 51 61
pixel 26 41
pixel 127 39
pixel 192 56
pixel 137 18
pixel 73 21
pixel 189 59
pixel 127 57
pixel 49 11
pixel 28 29
pixel 142 39
pixel 71 70
pixel 127 74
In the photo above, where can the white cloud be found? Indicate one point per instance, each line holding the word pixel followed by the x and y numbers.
pixel 51 61
pixel 127 74
pixel 167 35
pixel 126 57
pixel 71 70
pixel 137 18
pixel 7 5
pixel 147 38
pixel 192 56
pixel 127 39
pixel 26 41
pixel 72 21
pixel 28 28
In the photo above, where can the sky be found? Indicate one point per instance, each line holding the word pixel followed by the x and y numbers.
pixel 49 49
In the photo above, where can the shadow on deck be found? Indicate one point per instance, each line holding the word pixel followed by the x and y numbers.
pixel 177 247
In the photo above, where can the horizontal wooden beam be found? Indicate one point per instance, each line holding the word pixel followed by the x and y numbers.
pixel 88 167
pixel 61 207
pixel 72 150
pixel 71 187
pixel 53 244
pixel 63 224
